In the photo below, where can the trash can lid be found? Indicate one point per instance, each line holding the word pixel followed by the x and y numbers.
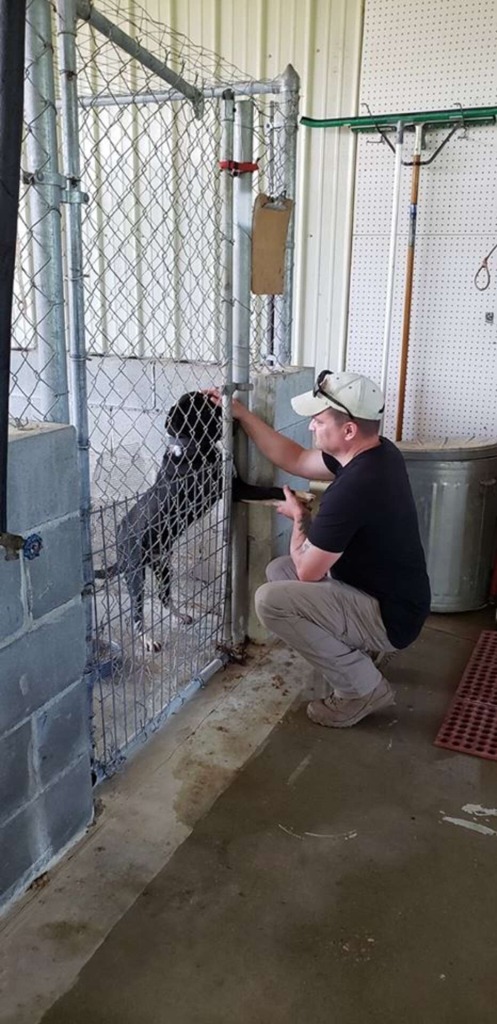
pixel 447 449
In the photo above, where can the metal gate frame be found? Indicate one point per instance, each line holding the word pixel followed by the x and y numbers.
pixel 65 190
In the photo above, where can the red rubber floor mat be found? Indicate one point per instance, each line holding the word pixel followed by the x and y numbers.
pixel 470 725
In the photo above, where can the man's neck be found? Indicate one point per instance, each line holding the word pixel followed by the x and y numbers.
pixel 361 446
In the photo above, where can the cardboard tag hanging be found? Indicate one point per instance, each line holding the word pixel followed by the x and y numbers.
pixel 270 222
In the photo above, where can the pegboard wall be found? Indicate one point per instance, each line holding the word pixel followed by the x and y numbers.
pixel 429 56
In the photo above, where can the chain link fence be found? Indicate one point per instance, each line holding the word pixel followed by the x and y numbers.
pixel 156 304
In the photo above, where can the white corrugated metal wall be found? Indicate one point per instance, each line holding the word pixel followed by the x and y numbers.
pixel 322 40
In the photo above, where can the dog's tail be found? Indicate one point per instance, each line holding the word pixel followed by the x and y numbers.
pixel 108 573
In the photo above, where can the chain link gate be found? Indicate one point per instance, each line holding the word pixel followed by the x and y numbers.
pixel 153 294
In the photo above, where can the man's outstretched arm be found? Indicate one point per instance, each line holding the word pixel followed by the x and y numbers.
pixel 280 450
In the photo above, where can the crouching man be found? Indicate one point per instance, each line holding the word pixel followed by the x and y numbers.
pixel 355 580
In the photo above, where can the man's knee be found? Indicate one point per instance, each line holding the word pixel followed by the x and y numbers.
pixel 269 601
pixel 261 600
pixel 281 568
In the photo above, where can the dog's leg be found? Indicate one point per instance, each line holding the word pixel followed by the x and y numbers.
pixel 243 491
pixel 163 576
pixel 251 492
pixel 135 581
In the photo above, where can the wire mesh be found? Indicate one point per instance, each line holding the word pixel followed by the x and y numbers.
pixel 158 609
pixel 153 280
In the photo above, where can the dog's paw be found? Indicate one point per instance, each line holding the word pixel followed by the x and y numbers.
pixel 151 645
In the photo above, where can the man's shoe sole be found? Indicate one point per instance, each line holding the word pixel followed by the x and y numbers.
pixel 387 701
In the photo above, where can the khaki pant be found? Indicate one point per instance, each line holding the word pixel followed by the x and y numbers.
pixel 330 624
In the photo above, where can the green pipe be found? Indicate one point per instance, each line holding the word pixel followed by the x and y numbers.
pixel 418 117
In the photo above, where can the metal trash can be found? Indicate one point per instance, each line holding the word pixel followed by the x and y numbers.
pixel 455 489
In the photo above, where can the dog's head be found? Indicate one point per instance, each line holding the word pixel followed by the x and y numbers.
pixel 193 427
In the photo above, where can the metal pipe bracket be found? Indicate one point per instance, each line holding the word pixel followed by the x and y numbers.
pixel 13 544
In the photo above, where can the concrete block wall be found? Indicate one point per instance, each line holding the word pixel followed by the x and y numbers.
pixel 269 533
pixel 45 782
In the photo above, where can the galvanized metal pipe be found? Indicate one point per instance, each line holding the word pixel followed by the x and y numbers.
pixel 67 23
pixel 270 158
pixel 287 121
pixel 262 88
pixel 12 21
pixel 387 333
pixel 228 118
pixel 45 199
pixel 100 23
pixel 242 264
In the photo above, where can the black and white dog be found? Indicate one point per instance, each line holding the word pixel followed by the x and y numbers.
pixel 188 484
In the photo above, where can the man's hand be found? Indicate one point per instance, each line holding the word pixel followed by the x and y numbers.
pixel 291 507
pixel 311 563
pixel 215 396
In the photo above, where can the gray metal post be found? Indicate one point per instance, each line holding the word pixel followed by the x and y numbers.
pixel 270 178
pixel 242 261
pixel 45 198
pixel 227 348
pixel 74 197
pixel 12 29
pixel 286 143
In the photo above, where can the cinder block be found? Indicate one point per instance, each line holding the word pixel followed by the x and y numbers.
pixel 288 383
pixel 40 664
pixel 118 383
pixel 273 390
pixel 19 850
pixel 68 805
pixel 269 533
pixel 24 382
pixel 174 379
pixel 43 481
pixel 143 436
pixel 11 607
pixel 270 399
pixel 260 548
pixel 17 782
pixel 61 732
pixel 56 576
pixel 21 408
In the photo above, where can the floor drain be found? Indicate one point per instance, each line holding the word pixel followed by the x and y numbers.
pixel 470 725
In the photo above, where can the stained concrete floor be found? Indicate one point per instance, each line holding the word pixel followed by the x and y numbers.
pixel 326 884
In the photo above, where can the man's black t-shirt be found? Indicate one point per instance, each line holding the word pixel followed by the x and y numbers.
pixel 368 512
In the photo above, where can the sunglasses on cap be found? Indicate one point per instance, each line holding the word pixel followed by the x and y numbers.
pixel 319 390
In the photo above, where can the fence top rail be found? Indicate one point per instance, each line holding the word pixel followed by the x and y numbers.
pixel 268 88
pixel 100 23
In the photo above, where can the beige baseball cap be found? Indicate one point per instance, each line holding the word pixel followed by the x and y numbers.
pixel 351 393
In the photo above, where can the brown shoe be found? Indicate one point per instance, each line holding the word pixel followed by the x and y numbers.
pixel 341 712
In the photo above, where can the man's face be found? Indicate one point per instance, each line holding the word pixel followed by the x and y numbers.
pixel 329 436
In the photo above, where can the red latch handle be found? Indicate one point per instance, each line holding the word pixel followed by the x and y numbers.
pixel 236 168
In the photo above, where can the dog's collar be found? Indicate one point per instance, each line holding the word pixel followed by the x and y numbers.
pixel 180 446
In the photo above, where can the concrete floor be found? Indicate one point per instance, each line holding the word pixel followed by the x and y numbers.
pixel 325 884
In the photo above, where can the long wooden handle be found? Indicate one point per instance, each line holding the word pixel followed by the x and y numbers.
pixel 406 324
